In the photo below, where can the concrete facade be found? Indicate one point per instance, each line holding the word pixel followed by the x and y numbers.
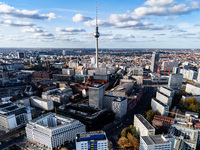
pixel 156 142
pixel 193 89
pixel 157 105
pixel 143 127
pixel 52 131
pixel 96 95
pixel 154 61
pixel 167 100
pixel 119 107
pixel 175 81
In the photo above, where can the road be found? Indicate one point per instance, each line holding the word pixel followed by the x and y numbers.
pixel 113 132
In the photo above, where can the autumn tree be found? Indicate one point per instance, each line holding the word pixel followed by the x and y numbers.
pixel 133 140
pixel 191 100
pixel 149 115
pixel 122 142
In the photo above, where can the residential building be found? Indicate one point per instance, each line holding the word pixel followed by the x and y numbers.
pixel 159 106
pixel 193 89
pixel 167 91
pixel 155 142
pixel 143 127
pixel 167 100
pixel 52 131
pixel 95 140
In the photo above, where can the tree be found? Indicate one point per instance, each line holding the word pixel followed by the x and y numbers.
pixel 122 142
pixel 191 100
pixel 149 115
pixel 123 133
pixel 194 108
pixel 133 140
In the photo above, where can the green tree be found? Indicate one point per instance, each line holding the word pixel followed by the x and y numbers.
pixel 149 115
pixel 194 108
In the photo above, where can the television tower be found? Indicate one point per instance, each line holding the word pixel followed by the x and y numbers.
pixel 96 35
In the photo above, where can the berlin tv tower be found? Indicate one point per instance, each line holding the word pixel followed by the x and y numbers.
pixel 96 35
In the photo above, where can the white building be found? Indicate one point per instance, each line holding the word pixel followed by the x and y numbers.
pixel 96 140
pixel 175 81
pixel 52 131
pixel 13 116
pixel 93 60
pixel 41 103
pixel 119 107
pixel 167 90
pixel 193 89
pixel 143 127
pixel 167 100
pixel 159 106
pixel 155 142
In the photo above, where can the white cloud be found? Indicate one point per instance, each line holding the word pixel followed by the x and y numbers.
pixel 70 30
pixel 81 18
pixel 7 11
pixel 16 24
pixel 32 30
pixel 159 3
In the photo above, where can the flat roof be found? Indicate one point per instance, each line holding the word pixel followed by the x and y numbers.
pixel 168 88
pixel 154 139
pixel 144 121
pixel 161 103
pixel 94 135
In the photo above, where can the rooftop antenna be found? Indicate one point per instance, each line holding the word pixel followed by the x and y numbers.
pixel 96 35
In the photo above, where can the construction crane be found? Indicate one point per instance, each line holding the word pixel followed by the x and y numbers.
pixel 165 69
pixel 188 118
pixel 158 68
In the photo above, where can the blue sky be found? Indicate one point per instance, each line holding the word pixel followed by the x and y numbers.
pixel 122 23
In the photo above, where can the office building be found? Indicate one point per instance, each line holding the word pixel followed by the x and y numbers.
pixel 176 70
pixel 41 103
pixel 123 90
pixel 119 106
pixel 159 106
pixel 96 95
pixel 59 95
pixel 13 116
pixel 154 61
pixel 52 131
pixel 175 81
pixel 95 140
pixel 155 142
pixel 143 127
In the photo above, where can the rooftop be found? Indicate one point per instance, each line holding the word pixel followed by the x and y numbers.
pixel 154 139
pixel 94 135
pixel 51 120
pixel 144 122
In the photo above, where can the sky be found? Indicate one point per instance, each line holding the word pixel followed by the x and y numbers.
pixel 122 23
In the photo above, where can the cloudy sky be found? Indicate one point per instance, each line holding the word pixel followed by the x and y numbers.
pixel 122 23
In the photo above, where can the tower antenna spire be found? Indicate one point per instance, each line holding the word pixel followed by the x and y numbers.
pixel 96 35
pixel 96 14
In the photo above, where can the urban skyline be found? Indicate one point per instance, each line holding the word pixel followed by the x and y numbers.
pixel 127 24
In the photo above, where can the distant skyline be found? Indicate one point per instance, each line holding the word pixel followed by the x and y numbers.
pixel 122 23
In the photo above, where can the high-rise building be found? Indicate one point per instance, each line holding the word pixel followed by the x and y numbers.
pixel 175 81
pixel 64 52
pixel 52 131
pixel 95 140
pixel 119 106
pixel 96 95
pixel 155 142
pixel 154 61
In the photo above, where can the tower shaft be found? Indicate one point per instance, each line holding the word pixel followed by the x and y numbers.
pixel 97 60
